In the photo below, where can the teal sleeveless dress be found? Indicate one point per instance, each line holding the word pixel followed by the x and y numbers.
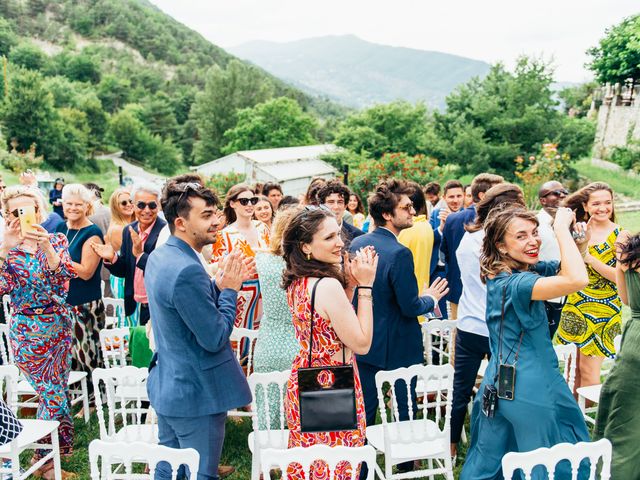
pixel 543 412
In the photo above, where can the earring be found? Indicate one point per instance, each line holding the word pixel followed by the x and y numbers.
pixel 308 256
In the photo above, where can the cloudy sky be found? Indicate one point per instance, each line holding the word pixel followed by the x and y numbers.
pixel 490 30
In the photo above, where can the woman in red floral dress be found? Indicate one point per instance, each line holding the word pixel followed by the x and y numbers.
pixel 313 252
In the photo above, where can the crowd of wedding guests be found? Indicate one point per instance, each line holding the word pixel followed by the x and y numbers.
pixel 324 280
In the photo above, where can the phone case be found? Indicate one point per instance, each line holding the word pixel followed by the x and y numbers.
pixel 27 216
pixel 506 381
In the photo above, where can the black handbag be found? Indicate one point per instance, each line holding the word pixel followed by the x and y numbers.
pixel 326 395
pixel 10 426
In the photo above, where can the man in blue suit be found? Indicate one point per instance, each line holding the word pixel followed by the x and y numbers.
pixel 194 377
pixel 397 338
pixel 453 232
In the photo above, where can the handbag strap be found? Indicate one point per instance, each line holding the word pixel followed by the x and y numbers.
pixel 313 311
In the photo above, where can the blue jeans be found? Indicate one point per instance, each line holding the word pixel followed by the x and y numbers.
pixel 204 434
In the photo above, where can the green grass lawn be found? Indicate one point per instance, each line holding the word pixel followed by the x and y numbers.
pixel 620 182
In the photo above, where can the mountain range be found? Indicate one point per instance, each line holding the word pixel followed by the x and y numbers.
pixel 358 73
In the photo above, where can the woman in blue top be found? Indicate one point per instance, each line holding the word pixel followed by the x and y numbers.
pixel 542 411
pixel 85 292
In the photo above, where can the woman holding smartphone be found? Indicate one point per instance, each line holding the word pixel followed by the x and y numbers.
pixel 534 406
pixel 35 269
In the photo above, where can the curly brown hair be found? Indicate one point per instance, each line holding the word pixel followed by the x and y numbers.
pixel 492 261
pixel 300 229
pixel 577 200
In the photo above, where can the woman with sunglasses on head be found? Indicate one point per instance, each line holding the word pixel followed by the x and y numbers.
pixel 35 269
pixel 591 317
pixel 248 235
pixel 121 206
pixel 264 211
pixel 85 292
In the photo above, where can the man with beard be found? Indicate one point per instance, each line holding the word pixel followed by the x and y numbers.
pixel 397 338
pixel 194 376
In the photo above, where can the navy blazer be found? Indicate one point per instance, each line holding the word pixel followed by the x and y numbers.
pixel 349 232
pixel 126 264
pixel 397 338
pixel 452 234
pixel 194 371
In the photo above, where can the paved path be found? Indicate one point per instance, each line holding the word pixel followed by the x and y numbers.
pixel 136 173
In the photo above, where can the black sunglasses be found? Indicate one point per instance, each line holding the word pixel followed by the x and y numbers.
pixel 124 203
pixel 245 201
pixel 557 193
pixel 143 205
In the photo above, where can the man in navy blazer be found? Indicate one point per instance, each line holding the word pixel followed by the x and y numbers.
pixel 138 241
pixel 335 195
pixel 194 377
pixel 397 337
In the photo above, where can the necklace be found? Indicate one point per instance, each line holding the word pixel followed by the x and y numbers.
pixel 74 237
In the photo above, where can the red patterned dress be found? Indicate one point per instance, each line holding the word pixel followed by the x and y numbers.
pixel 325 345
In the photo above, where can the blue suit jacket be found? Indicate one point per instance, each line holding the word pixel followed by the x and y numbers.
pixel 349 232
pixel 434 221
pixel 397 338
pixel 126 264
pixel 194 371
pixel 452 234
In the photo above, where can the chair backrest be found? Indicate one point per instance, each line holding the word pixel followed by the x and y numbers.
pixel 439 379
pixel 114 343
pixel 243 341
pixel 9 377
pixel 126 390
pixel 338 459
pixel 114 312
pixel 126 454
pixel 6 353
pixel 568 354
pixel 549 457
pixel 266 386
pixel 436 337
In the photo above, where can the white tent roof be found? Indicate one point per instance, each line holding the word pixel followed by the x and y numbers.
pixel 285 154
pixel 283 171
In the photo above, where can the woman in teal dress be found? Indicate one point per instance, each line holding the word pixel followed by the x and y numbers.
pixel 543 411
pixel 619 408
pixel 276 345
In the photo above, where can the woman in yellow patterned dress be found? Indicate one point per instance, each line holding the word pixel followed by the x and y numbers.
pixel 248 235
pixel 591 317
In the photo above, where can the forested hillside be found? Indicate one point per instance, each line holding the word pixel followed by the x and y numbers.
pixel 82 76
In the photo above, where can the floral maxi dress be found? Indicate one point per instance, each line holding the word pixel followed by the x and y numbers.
pixel 325 344
pixel 41 329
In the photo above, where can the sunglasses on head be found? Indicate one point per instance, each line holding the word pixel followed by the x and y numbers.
pixel 143 205
pixel 124 203
pixel 245 201
pixel 557 193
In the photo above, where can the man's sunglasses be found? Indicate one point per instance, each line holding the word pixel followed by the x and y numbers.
pixel 124 203
pixel 557 193
pixel 143 205
pixel 245 201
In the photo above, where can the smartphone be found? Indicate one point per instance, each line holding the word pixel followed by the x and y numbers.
pixel 27 216
pixel 506 381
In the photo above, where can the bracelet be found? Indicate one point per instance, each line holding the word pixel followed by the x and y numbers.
pixel 364 287
pixel 365 296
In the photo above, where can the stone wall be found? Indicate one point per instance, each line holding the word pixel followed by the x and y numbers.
pixel 618 113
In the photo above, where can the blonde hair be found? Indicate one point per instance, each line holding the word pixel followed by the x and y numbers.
pixel 492 260
pixel 79 190
pixel 280 222
pixel 16 191
pixel 114 206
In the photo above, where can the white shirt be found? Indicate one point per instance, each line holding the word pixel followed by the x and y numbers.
pixel 473 301
pixel 549 249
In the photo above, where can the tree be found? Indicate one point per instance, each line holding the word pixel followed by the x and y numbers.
pixel 28 56
pixel 275 123
pixel 8 37
pixel 392 127
pixel 617 57
pixel 576 100
pixel 130 134
pixel 159 117
pixel 165 157
pixel 68 142
pixel 82 68
pixel 114 92
pixel 214 110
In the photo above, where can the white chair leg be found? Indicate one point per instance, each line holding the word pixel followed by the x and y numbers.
pixel 463 435
pixel 255 465
pixel 55 444
pixel 15 462
pixel 85 399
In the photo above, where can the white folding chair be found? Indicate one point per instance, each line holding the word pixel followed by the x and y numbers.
pixel 35 434
pixel 568 355
pixel 264 436
pixel 127 421
pixel 114 343
pixel 436 338
pixel 550 457
pixel 243 340
pixel 416 438
pixel 114 312
pixel 77 382
pixel 332 457
pixel 103 456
